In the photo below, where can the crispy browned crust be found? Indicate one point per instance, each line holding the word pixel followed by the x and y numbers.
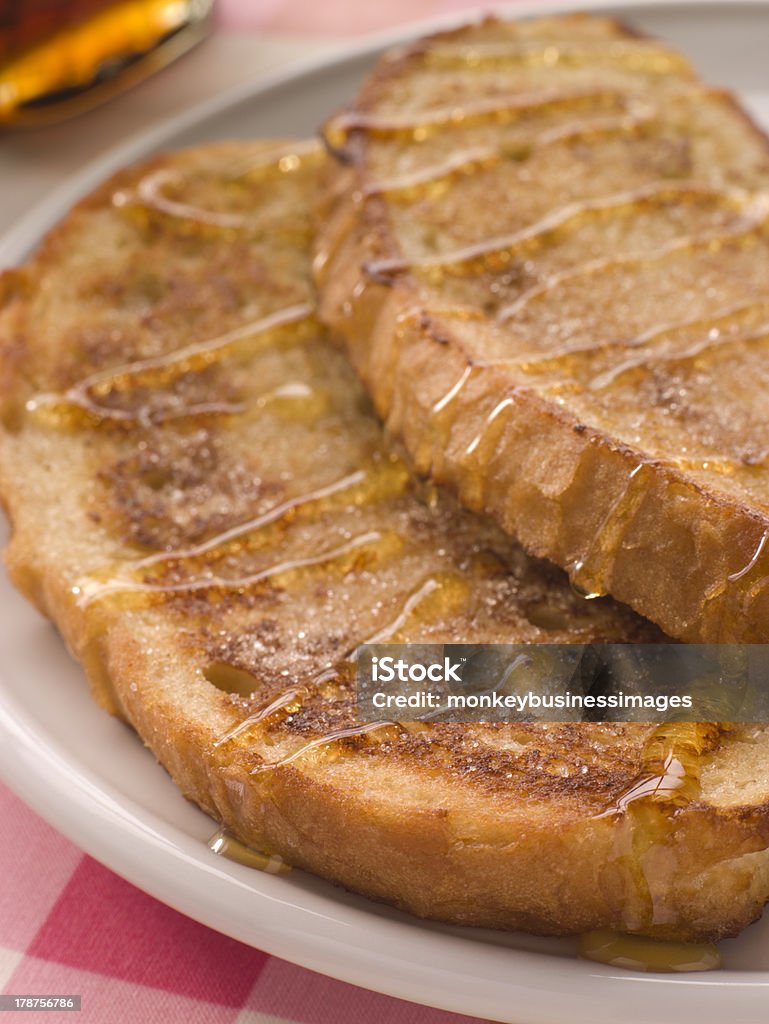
pixel 513 826
pixel 573 476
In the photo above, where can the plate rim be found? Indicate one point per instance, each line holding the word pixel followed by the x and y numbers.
pixel 58 788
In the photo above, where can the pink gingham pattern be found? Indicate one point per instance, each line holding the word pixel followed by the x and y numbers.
pixel 70 926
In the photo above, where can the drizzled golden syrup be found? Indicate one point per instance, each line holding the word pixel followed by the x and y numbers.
pixel 289 700
pixel 743 315
pixel 637 953
pixel 337 229
pixel 81 403
pixel 707 241
pixel 695 356
pixel 651 342
pixel 495 253
pixel 378 482
pixel 671 763
pixel 480 451
pixel 433 180
pixel 282 162
pixel 367 549
pixel 632 56
pixel 668 780
pixel 294 400
pixel 748 580
pixel 589 574
pixel 443 415
pixel 600 245
pixel 589 364
pixel 445 402
pixel 226 845
pixel 152 193
pixel 752 562
pixel 254 533
pixel 407 323
pixel 328 746
pixel 503 110
pixel 436 598
pixel 157 194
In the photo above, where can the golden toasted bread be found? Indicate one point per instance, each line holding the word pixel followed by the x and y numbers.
pixel 549 259
pixel 203 503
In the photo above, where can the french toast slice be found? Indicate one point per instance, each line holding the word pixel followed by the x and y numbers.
pixel 204 505
pixel 548 255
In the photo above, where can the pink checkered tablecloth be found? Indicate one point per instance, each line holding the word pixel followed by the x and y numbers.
pixel 69 925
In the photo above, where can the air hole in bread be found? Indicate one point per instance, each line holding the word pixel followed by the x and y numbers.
pixel 156 478
pixel 11 417
pixel 230 679
pixel 546 616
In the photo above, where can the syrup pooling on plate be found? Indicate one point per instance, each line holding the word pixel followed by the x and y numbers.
pixel 637 953
pixel 226 845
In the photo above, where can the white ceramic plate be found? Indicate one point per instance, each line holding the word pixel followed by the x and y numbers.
pixel 91 777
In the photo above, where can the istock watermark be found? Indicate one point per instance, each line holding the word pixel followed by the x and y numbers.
pixel 563 682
